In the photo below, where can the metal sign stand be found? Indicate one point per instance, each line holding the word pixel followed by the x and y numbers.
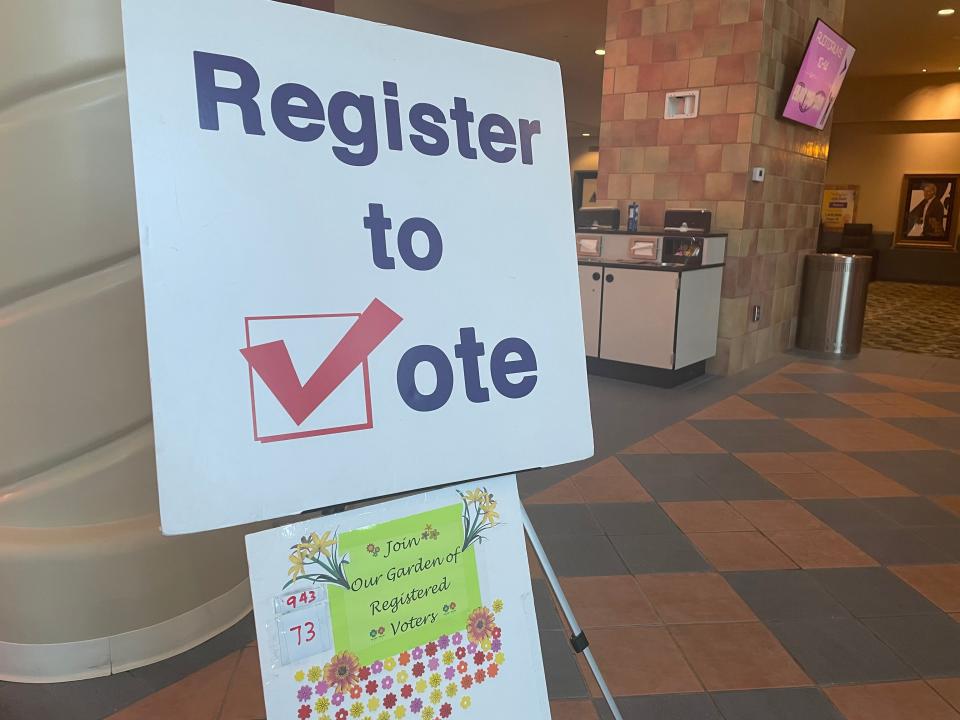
pixel 578 638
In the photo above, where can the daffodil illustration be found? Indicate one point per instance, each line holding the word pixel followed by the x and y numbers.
pixel 479 515
pixel 315 558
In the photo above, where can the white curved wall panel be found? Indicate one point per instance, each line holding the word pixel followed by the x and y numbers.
pixel 66 188
pixel 73 369
pixel 51 43
pixel 112 482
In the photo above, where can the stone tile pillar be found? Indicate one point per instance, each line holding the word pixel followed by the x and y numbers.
pixel 739 54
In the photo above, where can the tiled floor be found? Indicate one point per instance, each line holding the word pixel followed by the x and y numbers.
pixel 780 545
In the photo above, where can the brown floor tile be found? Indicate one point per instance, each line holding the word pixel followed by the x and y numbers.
pixel 647 446
pixel 599 601
pixel 940 584
pixel 821 549
pixel 641 661
pixel 774 515
pixel 907 384
pixel 533 562
pixel 737 656
pixel 733 408
pixel 955 616
pixel 861 434
pixel 694 598
pixel 807 486
pixel 775 384
pixel 801 368
pixel 913 700
pixel 949 502
pixel 572 710
pixel 852 475
pixel 732 551
pixel 705 516
pixel 891 405
pixel 197 697
pixel 609 481
pixel 948 689
pixel 684 438
pixel 244 699
pixel 772 462
pixel 564 492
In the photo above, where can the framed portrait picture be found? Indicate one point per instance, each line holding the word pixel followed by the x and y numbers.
pixel 585 189
pixel 928 212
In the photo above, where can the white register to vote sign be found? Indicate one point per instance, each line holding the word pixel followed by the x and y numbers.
pixel 358 259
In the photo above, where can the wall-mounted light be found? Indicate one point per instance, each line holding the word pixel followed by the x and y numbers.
pixel 584 134
pixel 945 12
pixel 600 51
pixel 923 69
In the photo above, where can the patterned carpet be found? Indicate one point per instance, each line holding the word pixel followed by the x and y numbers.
pixel 913 318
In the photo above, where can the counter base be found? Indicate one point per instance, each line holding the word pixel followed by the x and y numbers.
pixel 658 377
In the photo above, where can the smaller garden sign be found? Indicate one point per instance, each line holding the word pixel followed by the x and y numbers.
pixel 415 608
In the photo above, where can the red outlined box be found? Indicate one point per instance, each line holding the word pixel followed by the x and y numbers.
pixel 311 432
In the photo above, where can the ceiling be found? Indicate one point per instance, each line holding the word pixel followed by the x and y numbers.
pixel 901 37
pixel 892 37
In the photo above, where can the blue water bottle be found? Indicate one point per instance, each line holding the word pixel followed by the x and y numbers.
pixel 633 217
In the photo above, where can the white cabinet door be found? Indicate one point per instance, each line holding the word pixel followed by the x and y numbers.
pixel 590 285
pixel 698 315
pixel 639 316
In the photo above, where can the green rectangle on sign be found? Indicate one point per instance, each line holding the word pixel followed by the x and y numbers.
pixel 410 582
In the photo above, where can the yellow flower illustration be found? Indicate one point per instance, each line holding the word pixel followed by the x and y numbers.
pixel 400 712
pixel 436 696
pixel 435 680
pixel 296 564
pixel 499 658
pixel 373 703
pixel 384 715
pixel 322 705
pixel 299 676
pixel 498 605
pixel 402 676
pixel 465 702
pixel 448 657
pixel 421 685
pixel 356 710
pixel 451 689
pixel 389 663
pixel 314 673
pixel 427 713
pixel 477 496
pixel 489 512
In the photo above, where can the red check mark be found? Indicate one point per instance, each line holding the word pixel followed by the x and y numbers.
pixel 273 364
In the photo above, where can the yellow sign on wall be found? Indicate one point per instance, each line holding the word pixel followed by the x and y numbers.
pixel 839 206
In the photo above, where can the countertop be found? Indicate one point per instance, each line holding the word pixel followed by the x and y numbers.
pixel 637 265
pixel 648 231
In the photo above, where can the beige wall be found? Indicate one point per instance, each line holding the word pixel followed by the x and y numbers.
pixel 888 127
pixel 583 153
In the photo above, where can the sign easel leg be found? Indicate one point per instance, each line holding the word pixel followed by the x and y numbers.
pixel 578 639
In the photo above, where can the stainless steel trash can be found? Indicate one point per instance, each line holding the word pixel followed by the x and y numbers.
pixel 832 304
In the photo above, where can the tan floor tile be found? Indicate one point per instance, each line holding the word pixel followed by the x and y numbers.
pixel 949 502
pixel 807 486
pixel 197 697
pixel 733 408
pixel 609 481
pixel 907 384
pixel 608 601
pixel 948 689
pixel 940 584
pixel 572 710
pixel 861 434
pixel 772 462
pixel 244 699
pixel 955 616
pixel 705 516
pixel 801 368
pixel 641 661
pixel 820 549
pixel 737 656
pixel 564 492
pixel 647 446
pixel 891 405
pixel 913 700
pixel 694 598
pixel 774 515
pixel 852 475
pixel 684 438
pixel 775 384
pixel 733 551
